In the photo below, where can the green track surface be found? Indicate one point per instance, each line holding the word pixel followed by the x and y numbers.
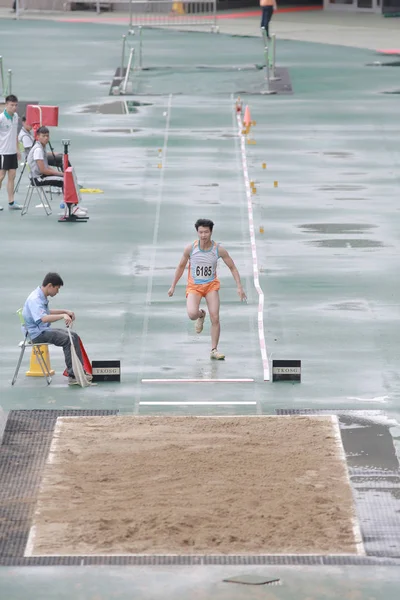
pixel 328 256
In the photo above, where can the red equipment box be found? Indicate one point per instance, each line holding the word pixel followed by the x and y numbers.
pixel 38 115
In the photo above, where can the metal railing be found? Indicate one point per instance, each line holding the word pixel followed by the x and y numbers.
pixel 135 63
pixel 9 81
pixel 269 59
pixel 147 13
pixel 139 32
pixel 6 83
pixel 2 76
pixel 166 13
pixel 129 68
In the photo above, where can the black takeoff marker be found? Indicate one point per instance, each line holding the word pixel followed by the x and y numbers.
pixel 286 370
pixel 106 370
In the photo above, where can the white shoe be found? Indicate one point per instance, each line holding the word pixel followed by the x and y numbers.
pixel 200 322
pixel 78 212
pixel 217 355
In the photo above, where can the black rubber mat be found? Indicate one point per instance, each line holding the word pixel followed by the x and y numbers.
pixel 23 453
pixel 187 560
pixel 117 79
pixel 374 474
pixel 282 85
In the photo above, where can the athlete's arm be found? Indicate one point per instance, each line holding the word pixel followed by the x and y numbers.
pixel 180 269
pixel 231 265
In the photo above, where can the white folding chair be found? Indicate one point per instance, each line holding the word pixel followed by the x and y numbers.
pixel 24 165
pixel 28 343
pixel 42 197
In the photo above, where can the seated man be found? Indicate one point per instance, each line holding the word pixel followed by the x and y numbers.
pixel 38 162
pixel 27 139
pixel 38 318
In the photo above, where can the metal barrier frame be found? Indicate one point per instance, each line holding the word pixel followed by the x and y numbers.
pixel 124 83
pixel 157 13
pixel 269 59
pixel 122 75
pixel 149 17
pixel 3 89
pixel 6 84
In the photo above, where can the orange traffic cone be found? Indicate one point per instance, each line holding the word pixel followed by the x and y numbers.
pixel 247 117
pixel 34 366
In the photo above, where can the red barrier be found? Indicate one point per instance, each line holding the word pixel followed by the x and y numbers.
pixel 71 190
pixel 37 115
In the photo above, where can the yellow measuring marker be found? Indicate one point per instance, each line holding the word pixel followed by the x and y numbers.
pixel 91 191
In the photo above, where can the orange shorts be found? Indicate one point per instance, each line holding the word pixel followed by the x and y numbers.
pixel 202 289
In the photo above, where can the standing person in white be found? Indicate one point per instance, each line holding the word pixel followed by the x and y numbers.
pixel 9 155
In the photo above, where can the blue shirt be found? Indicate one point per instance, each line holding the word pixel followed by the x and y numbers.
pixel 36 307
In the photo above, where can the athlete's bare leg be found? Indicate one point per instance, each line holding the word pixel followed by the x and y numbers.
pixel 10 184
pixel 193 307
pixel 213 303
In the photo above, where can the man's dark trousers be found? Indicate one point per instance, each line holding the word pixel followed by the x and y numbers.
pixel 60 337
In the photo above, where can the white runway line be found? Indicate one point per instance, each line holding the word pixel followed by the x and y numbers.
pixel 154 245
pixel 196 403
pixel 260 317
pixel 197 380
pixel 30 542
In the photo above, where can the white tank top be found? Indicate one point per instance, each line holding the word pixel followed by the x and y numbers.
pixel 203 264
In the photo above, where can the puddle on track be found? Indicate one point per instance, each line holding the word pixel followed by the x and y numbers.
pixel 117 107
pixel 336 227
pixel 353 306
pixel 341 187
pixel 346 243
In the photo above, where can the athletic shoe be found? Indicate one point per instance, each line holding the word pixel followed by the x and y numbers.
pixel 217 355
pixel 79 212
pixel 200 322
pixel 72 381
pixel 14 206
pixel 1 208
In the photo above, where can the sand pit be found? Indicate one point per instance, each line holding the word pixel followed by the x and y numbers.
pixel 186 485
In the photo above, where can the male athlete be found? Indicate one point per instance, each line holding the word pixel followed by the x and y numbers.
pixel 203 256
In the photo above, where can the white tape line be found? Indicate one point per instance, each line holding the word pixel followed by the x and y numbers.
pixel 154 245
pixel 197 380
pixel 260 317
pixel 30 542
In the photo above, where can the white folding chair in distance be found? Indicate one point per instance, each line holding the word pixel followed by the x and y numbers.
pixel 27 343
pixel 42 197
pixel 23 164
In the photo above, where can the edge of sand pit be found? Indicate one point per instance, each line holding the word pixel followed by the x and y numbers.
pixel 333 419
